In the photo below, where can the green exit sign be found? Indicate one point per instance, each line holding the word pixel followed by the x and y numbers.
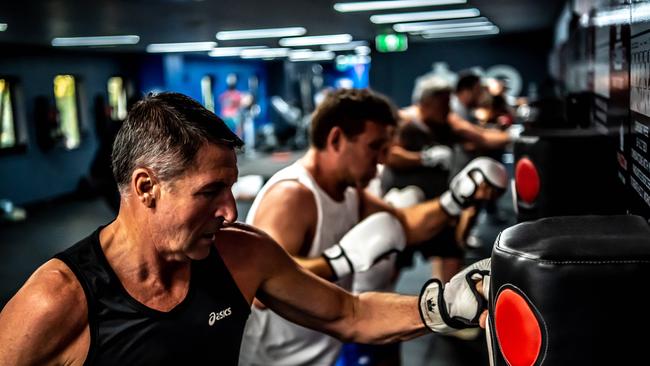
pixel 391 42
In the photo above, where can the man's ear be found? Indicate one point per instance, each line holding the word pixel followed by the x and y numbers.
pixel 145 186
pixel 334 138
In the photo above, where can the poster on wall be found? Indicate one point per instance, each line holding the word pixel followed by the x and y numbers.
pixel 639 158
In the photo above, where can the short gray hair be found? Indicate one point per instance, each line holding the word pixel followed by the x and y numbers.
pixel 428 86
pixel 163 132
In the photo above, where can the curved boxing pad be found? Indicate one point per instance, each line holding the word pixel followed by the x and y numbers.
pixel 518 328
pixel 570 291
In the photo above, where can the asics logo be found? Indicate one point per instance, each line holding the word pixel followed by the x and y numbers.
pixel 214 317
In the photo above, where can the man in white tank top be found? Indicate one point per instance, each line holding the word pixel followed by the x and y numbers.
pixel 319 212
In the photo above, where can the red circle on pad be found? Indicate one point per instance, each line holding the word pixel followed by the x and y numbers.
pixel 517 328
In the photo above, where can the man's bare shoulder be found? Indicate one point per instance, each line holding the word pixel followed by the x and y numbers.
pixel 288 209
pixel 243 238
pixel 46 316
pixel 250 255
pixel 291 193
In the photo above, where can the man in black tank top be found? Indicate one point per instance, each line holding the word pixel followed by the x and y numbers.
pixel 170 280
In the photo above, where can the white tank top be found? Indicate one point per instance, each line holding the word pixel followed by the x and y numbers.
pixel 270 339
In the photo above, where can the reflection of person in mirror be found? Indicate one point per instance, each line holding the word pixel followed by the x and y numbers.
pixel 230 101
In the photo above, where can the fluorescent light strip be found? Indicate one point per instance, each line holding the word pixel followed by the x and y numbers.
pixel 231 51
pixel 362 50
pixel 264 53
pixel 425 15
pixel 345 46
pixel 479 28
pixel 315 58
pixel 3 27
pixel 612 17
pixel 394 4
pixel 460 28
pixel 261 33
pixel 640 12
pixel 315 40
pixel 311 55
pixel 94 41
pixel 181 47
pixel 423 26
pixel 460 33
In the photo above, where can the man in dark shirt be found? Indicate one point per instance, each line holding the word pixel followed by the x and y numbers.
pixel 171 279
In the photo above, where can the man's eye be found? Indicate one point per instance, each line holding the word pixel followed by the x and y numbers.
pixel 209 193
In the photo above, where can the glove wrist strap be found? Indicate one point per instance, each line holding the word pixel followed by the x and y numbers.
pixel 449 204
pixel 339 263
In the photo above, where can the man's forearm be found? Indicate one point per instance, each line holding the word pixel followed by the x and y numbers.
pixel 423 221
pixel 380 318
pixel 400 158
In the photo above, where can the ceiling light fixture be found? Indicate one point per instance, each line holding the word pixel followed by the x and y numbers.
pixel 181 47
pixel 425 15
pixel 264 53
pixel 440 24
pixel 231 51
pixel 461 32
pixel 309 55
pixel 315 40
pixel 344 46
pixel 95 41
pixel 391 4
pixel 611 17
pixel 261 33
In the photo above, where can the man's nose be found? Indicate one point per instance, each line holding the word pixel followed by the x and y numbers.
pixel 227 208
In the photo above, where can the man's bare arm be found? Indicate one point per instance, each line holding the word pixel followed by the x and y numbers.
pixel 46 321
pixel 288 214
pixel 305 299
pixel 482 137
pixel 420 222
pixel 399 157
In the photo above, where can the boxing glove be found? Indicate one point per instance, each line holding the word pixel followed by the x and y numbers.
pixel 465 184
pixel 458 304
pixel 439 155
pixel 378 235
pixel 405 197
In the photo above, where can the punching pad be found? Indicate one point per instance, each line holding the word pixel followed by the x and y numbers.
pixel 571 291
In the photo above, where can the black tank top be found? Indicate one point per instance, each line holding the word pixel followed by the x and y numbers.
pixel 204 329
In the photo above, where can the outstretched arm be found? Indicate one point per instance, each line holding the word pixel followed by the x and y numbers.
pixel 483 137
pixel 303 298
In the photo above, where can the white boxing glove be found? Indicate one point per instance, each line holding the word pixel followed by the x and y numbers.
pixel 436 156
pixel 515 133
pixel 405 197
pixel 458 304
pixel 464 185
pixel 370 240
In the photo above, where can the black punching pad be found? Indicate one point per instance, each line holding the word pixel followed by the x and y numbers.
pixel 571 291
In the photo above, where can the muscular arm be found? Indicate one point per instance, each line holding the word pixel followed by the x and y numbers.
pixel 288 214
pixel 420 222
pixel 46 321
pixel 399 157
pixel 305 299
pixel 482 137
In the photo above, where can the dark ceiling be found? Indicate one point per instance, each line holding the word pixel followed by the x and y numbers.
pixel 36 22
